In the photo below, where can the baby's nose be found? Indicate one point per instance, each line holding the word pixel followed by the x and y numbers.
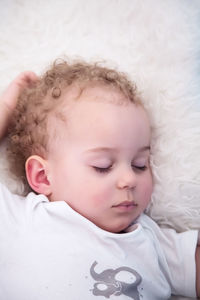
pixel 127 179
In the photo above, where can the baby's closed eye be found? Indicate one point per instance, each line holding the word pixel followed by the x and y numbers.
pixel 102 169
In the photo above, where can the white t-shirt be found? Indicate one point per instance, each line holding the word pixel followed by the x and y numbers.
pixel 50 252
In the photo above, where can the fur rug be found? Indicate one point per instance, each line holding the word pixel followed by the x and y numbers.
pixel 158 43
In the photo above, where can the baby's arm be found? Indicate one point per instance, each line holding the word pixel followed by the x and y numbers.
pixel 9 97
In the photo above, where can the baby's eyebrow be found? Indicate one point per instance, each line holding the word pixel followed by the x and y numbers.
pixel 100 149
pixel 110 149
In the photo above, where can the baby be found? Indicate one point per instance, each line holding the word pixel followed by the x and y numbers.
pixel 79 138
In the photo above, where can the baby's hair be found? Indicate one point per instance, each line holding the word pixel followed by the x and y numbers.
pixel 28 134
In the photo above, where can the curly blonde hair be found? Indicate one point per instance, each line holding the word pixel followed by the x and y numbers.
pixel 28 134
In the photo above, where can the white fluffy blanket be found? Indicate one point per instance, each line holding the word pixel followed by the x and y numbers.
pixel 157 42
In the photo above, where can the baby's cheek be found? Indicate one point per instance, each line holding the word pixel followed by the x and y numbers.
pixel 101 197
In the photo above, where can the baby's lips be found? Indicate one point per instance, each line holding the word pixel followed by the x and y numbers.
pixel 126 204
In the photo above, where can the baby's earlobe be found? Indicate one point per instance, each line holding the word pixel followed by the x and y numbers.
pixel 36 173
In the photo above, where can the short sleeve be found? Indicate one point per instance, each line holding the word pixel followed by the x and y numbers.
pixel 177 254
pixel 18 210
pixel 179 249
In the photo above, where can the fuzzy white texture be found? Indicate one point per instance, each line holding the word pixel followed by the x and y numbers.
pixel 157 42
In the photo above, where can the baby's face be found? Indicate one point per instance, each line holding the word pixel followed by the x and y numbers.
pixel 100 166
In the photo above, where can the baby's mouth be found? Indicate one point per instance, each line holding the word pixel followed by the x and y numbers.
pixel 126 205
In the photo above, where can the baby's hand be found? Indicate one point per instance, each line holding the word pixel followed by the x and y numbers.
pixel 9 97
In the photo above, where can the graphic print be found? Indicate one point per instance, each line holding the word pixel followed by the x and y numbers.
pixel 108 284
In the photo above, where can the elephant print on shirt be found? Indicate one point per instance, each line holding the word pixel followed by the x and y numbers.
pixel 108 284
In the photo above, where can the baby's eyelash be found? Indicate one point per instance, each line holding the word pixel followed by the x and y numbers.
pixel 102 170
pixel 140 168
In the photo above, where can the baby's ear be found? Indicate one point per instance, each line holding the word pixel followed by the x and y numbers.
pixel 36 173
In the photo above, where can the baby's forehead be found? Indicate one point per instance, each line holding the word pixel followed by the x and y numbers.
pixel 77 96
pixel 94 92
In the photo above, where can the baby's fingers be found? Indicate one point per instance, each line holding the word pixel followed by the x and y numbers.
pixel 24 79
pixel 11 94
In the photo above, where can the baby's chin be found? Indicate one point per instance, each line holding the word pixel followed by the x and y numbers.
pixel 115 228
